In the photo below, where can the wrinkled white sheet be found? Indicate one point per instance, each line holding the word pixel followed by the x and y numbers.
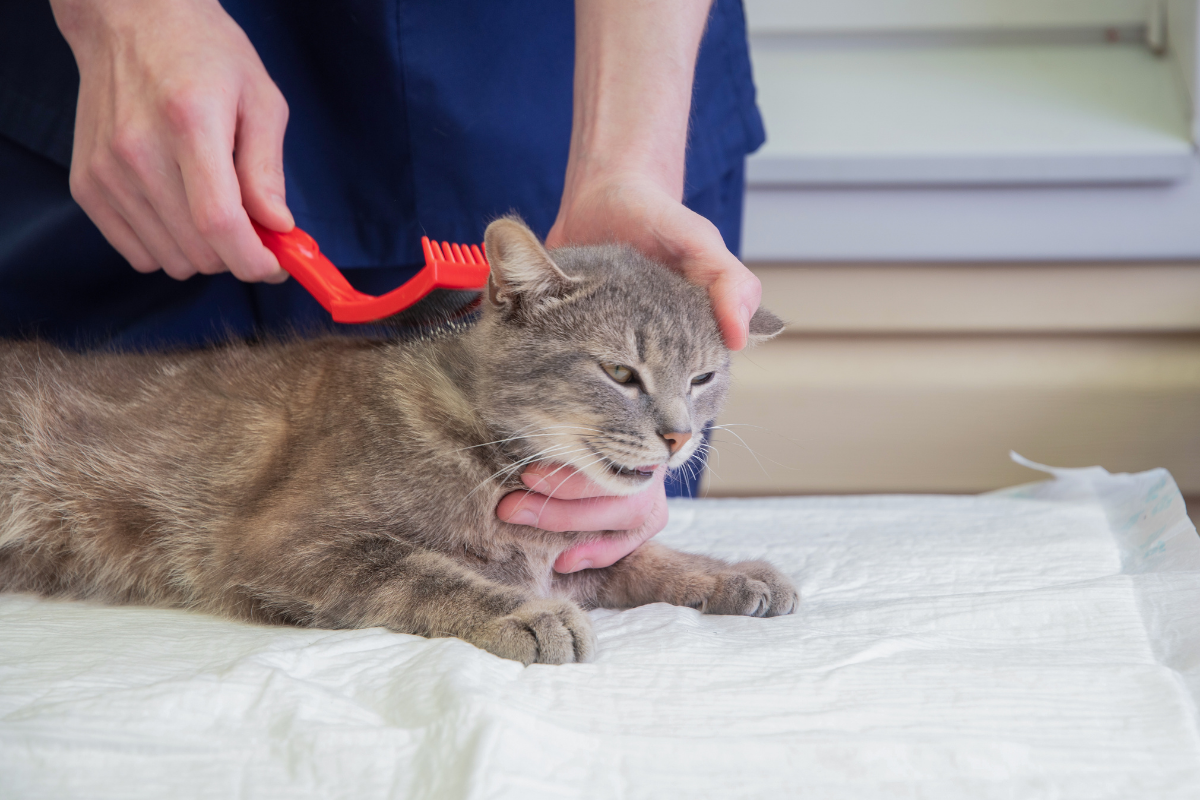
pixel 1043 642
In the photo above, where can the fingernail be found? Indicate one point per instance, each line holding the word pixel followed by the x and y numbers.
pixel 524 517
pixel 533 482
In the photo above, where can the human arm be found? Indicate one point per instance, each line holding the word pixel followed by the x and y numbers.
pixel 634 64
pixel 178 135
pixel 633 86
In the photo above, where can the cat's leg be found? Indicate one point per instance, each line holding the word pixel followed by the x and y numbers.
pixel 657 574
pixel 382 582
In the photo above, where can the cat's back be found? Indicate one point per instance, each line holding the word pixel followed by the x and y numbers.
pixel 135 410
pixel 37 371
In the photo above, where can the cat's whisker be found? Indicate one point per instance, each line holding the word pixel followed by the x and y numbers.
pixel 555 489
pixel 548 453
pixel 743 441
pixel 709 450
pixel 518 434
pixel 522 436
pixel 708 465
pixel 550 496
pixel 510 469
pixel 516 438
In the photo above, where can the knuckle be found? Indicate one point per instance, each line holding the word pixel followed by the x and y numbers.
pixel 210 266
pixel 254 273
pixel 83 190
pixel 217 219
pixel 184 110
pixel 101 172
pixel 132 148
pixel 278 104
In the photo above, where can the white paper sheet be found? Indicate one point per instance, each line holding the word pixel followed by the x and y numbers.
pixel 1043 642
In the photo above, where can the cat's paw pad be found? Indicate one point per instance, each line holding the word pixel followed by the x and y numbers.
pixel 752 589
pixel 541 632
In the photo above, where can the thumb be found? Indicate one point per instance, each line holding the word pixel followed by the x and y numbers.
pixel 735 293
pixel 258 159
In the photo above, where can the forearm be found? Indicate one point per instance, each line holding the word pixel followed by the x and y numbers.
pixel 634 62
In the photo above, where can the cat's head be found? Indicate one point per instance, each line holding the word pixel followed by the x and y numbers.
pixel 600 358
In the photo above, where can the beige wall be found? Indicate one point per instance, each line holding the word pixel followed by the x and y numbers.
pixel 920 378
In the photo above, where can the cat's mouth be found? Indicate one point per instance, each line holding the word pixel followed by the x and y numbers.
pixel 627 475
pixel 638 473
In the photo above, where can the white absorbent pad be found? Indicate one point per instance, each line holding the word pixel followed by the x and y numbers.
pixel 1043 642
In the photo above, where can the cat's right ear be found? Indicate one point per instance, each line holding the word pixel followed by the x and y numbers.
pixel 764 325
pixel 521 267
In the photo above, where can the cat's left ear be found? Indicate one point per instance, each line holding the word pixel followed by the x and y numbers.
pixel 764 325
pixel 521 267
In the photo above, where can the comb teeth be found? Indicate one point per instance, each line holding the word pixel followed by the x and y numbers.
pixel 456 253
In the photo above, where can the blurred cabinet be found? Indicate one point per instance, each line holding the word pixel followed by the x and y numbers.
pixel 974 129
pixel 981 219
pixel 921 378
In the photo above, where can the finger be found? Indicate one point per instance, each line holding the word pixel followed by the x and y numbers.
pixel 564 483
pixel 214 196
pixel 591 514
pixel 141 217
pixel 735 292
pixel 156 177
pixel 113 227
pixel 609 550
pixel 258 160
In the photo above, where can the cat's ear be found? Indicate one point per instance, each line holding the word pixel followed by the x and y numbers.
pixel 521 267
pixel 764 325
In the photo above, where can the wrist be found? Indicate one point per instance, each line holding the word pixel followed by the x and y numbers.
pixel 88 24
pixel 589 173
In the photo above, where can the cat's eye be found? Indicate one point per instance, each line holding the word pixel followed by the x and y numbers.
pixel 620 373
pixel 700 380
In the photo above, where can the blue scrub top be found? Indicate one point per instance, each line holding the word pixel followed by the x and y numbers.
pixel 407 118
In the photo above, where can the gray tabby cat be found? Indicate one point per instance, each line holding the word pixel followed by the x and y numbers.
pixel 344 483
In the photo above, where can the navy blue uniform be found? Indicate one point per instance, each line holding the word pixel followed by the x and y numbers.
pixel 407 118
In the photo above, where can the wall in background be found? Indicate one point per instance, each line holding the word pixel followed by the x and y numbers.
pixel 921 378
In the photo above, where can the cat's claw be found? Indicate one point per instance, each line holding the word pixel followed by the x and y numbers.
pixel 752 589
pixel 541 632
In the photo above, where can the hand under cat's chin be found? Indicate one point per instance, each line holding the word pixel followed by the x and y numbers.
pixel 564 500
pixel 595 482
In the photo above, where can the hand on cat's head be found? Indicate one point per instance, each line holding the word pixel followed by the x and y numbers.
pixel 635 210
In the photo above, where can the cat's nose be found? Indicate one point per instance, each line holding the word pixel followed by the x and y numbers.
pixel 676 440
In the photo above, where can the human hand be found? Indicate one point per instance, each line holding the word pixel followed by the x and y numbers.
pixel 561 499
pixel 178 136
pixel 636 209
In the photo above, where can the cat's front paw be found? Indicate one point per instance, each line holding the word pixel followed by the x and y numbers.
pixel 541 632
pixel 751 589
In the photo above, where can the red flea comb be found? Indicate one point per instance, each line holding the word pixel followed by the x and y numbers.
pixel 447 266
